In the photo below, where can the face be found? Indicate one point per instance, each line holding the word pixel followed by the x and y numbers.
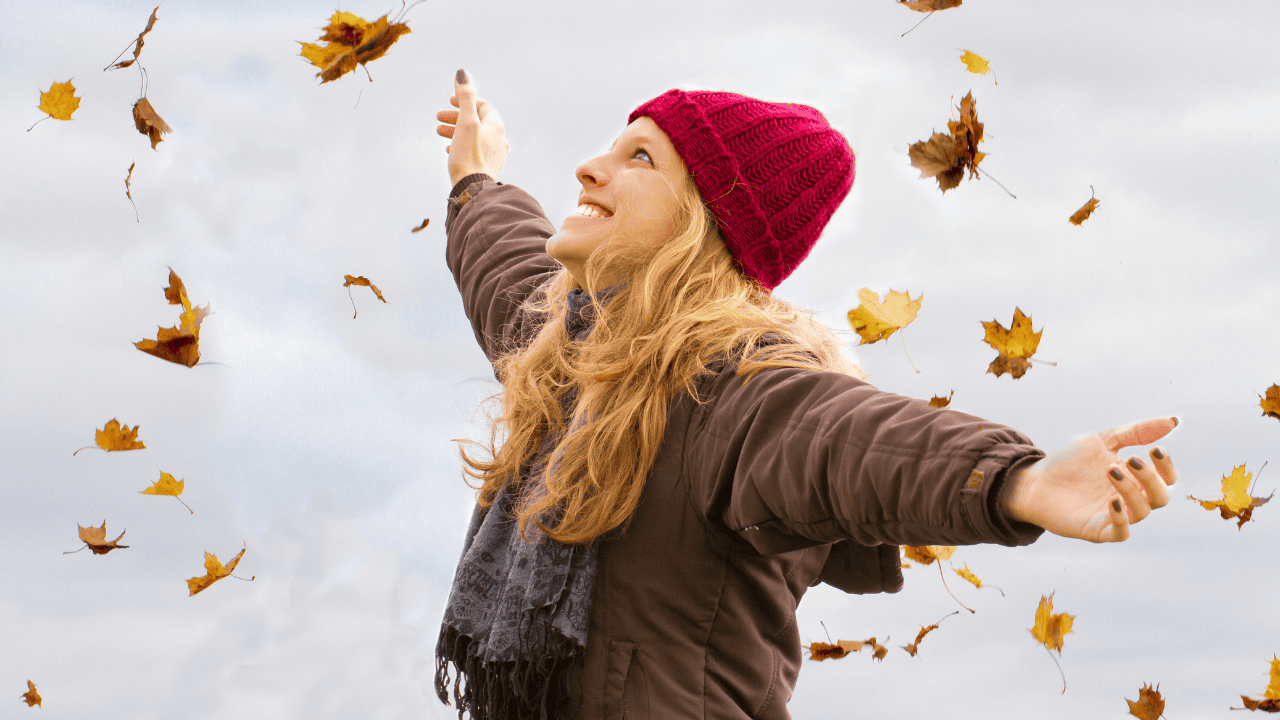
pixel 632 190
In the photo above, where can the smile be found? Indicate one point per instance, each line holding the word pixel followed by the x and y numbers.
pixel 591 211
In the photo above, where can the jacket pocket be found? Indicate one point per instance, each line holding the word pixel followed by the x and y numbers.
pixel 625 686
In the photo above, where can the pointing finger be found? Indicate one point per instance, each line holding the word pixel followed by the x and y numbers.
pixel 1139 433
pixel 466 96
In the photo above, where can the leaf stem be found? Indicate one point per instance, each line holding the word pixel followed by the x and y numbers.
pixel 953 595
pixel 1002 187
pixel 1055 662
pixel 86 447
pixel 913 27
pixel 188 507
pixel 72 552
pixel 904 349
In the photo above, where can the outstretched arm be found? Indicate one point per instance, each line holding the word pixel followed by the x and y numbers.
pixel 1085 491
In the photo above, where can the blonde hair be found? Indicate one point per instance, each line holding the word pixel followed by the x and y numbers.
pixel 687 303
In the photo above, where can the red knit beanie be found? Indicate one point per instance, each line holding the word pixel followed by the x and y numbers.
pixel 772 173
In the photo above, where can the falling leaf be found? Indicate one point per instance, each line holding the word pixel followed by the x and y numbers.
pixel 946 157
pixel 129 194
pixel 1150 705
pixel 113 437
pixel 914 647
pixel 167 485
pixel 1236 501
pixel 967 574
pixel 929 5
pixel 96 539
pixel 926 554
pixel 1270 701
pixel 1085 210
pixel 421 227
pixel 214 571
pixel 1271 403
pixel 179 344
pixel 977 64
pixel 138 43
pixel 362 280
pixel 833 651
pixel 60 102
pixel 1015 345
pixel 876 321
pixel 350 41
pixel 31 697
pixel 148 122
pixel 938 401
pixel 1050 629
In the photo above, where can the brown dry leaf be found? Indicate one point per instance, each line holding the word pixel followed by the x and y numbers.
pixel 1271 403
pixel 1270 701
pixel 930 5
pixel 350 41
pixel 926 554
pixel 60 102
pixel 914 647
pixel 1085 210
pixel 31 697
pixel 96 539
pixel 362 280
pixel 1150 705
pixel 827 651
pixel 421 227
pixel 179 344
pixel 214 571
pixel 1236 501
pixel 938 401
pixel 138 43
pixel 946 157
pixel 875 321
pixel 1015 345
pixel 148 122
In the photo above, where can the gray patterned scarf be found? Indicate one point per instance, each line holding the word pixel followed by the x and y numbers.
pixel 517 613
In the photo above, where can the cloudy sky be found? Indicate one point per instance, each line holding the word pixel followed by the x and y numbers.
pixel 322 442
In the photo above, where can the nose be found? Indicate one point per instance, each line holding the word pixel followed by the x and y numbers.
pixel 590 172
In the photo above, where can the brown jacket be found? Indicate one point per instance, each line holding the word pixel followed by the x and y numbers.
pixel 795 478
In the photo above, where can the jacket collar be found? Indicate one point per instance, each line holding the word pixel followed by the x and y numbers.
pixel 581 315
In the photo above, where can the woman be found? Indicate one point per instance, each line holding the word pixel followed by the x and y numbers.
pixel 725 454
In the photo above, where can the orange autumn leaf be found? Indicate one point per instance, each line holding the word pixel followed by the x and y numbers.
pixel 1270 701
pixel 349 40
pixel 1271 403
pixel 937 401
pixel 362 280
pixel 1085 210
pixel 1015 345
pixel 929 5
pixel 947 157
pixel 875 321
pixel 96 539
pixel 214 571
pixel 833 651
pixel 167 485
pixel 421 227
pixel 129 192
pixel 926 554
pixel 136 45
pixel 60 101
pixel 1150 706
pixel 31 697
pixel 179 344
pixel 114 437
pixel 914 647
pixel 1236 501
pixel 148 122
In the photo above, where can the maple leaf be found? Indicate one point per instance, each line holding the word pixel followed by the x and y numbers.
pixel 1015 345
pixel 1050 628
pixel 1270 701
pixel 362 280
pixel 167 485
pixel 914 647
pixel 148 122
pixel 833 651
pixel 1236 501
pixel 96 539
pixel 214 571
pixel 926 554
pixel 421 227
pixel 876 321
pixel 138 43
pixel 113 437
pixel 946 157
pixel 1271 403
pixel 31 697
pixel 349 41
pixel 938 401
pixel 1085 210
pixel 977 64
pixel 179 344
pixel 929 5
pixel 59 102
pixel 1150 706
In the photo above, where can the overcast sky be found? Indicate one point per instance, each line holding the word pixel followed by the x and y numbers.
pixel 323 443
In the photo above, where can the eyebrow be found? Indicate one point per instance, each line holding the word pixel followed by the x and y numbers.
pixel 646 139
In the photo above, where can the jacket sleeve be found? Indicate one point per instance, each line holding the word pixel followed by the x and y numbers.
pixel 796 458
pixel 497 251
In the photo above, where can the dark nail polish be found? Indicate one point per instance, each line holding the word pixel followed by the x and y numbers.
pixel 1115 505
pixel 1135 463
pixel 1116 475
pixel 462 77
pixel 1175 422
pixel 1159 455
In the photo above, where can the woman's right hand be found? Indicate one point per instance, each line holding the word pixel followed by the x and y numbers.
pixel 476 129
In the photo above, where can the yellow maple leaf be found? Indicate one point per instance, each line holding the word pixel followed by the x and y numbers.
pixel 349 41
pixel 167 485
pixel 113 437
pixel 1015 345
pixel 179 344
pixel 977 65
pixel 214 571
pixel 926 554
pixel 1270 701
pixel 1050 628
pixel 1236 501
pixel 60 101
pixel 874 320
pixel 31 697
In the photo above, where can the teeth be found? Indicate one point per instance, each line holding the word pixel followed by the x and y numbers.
pixel 589 210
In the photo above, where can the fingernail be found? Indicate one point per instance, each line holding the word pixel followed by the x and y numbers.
pixel 463 80
pixel 1157 453
pixel 1175 422
pixel 1115 505
pixel 1135 463
pixel 1116 475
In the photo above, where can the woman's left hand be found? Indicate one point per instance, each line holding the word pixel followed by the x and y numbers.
pixel 1074 492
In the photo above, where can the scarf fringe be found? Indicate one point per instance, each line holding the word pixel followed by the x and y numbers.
pixel 526 689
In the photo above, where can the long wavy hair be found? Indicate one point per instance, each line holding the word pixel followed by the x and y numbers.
pixel 686 304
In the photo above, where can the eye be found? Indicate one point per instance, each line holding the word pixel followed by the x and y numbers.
pixel 646 154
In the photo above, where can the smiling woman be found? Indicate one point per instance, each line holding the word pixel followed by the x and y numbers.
pixel 685 454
